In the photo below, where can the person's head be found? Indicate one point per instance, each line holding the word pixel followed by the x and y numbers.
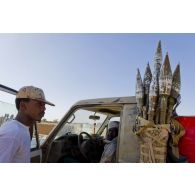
pixel 30 102
pixel 112 132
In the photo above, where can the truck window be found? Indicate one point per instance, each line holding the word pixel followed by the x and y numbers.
pixel 8 110
pixel 83 122
pixel 111 119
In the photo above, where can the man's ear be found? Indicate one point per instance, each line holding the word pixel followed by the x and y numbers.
pixel 22 105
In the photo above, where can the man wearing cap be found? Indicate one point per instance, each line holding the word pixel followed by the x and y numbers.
pixel 109 153
pixel 15 135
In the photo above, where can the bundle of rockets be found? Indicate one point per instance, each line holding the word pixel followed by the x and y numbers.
pixel 158 94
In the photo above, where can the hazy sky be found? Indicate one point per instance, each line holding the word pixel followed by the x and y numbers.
pixel 71 67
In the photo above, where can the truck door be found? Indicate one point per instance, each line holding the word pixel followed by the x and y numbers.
pixel 128 147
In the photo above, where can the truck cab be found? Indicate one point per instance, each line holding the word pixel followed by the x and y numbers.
pixel 79 135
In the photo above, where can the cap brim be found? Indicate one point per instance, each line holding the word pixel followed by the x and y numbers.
pixel 49 103
pixel 45 101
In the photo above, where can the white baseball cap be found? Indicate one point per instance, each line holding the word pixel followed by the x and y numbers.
pixel 34 93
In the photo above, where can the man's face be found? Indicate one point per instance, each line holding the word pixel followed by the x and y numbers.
pixel 35 109
pixel 112 133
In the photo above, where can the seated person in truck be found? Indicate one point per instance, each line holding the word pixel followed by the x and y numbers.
pixel 109 153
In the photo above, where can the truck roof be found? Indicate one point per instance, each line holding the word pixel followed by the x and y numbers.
pixel 113 100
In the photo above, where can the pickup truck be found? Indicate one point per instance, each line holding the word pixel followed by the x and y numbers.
pixel 79 135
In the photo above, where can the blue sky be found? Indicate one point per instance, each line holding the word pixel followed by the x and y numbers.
pixel 71 67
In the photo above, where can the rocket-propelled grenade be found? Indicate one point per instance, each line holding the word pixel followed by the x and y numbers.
pixel 165 84
pixel 153 98
pixel 157 67
pixel 139 93
pixel 158 59
pixel 154 86
pixel 159 94
pixel 146 84
pixel 175 92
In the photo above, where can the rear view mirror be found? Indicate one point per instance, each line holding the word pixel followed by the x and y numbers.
pixel 93 117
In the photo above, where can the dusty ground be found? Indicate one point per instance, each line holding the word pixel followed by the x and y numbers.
pixel 45 128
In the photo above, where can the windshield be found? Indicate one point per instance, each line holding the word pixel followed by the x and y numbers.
pixel 7 107
pixel 83 121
